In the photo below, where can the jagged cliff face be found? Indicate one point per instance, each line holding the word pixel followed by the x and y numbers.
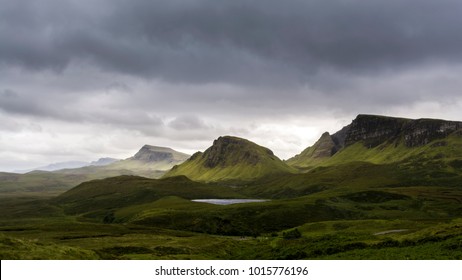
pixel 339 137
pixel 423 131
pixel 359 140
pixel 375 130
pixel 231 158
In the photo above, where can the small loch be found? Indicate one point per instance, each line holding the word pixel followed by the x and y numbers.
pixel 228 201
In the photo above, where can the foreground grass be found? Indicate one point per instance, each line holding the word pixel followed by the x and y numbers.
pixel 72 237
pixel 440 241
pixel 337 214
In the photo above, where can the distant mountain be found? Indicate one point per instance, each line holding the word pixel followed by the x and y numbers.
pixel 69 165
pixel 231 159
pixel 154 154
pixel 149 161
pixel 103 161
pixel 56 166
pixel 382 139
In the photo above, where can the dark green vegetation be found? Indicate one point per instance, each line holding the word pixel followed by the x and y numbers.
pixel 381 188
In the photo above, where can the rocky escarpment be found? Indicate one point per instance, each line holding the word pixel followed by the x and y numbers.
pixel 375 130
pixel 423 131
pixel 339 138
pixel 372 131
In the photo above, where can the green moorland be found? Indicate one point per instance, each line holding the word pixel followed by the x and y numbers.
pixel 383 201
pixel 44 183
pixel 364 211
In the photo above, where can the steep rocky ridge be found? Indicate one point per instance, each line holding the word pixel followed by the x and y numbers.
pixel 324 148
pixel 380 139
pixel 375 130
pixel 339 137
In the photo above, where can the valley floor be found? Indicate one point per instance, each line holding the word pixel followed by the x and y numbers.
pixel 36 229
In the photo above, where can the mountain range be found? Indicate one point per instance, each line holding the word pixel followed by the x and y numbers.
pixel 379 188
pixel 69 165
pixel 369 139
pixel 149 161
pixel 372 151
pixel 233 160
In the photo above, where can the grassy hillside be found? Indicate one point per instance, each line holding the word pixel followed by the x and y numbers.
pixel 118 192
pixel 383 188
pixel 150 162
pixel 42 183
pixel 385 140
pixel 231 159
pixel 447 150
pixel 314 155
pixel 418 222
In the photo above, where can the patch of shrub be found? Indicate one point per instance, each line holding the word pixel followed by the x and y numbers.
pixel 291 234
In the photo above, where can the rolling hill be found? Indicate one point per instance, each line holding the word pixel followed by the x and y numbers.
pixel 122 191
pixel 231 159
pixel 149 161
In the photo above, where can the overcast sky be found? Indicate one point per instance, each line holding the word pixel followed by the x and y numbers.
pixel 85 79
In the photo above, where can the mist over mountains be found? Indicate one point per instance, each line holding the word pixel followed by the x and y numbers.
pixel 70 165
pixel 149 161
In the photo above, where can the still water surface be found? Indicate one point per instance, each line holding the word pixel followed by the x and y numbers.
pixel 228 201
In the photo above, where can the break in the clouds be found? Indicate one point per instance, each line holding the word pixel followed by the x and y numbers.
pixel 106 76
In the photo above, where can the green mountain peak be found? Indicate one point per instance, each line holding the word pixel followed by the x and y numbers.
pixel 231 159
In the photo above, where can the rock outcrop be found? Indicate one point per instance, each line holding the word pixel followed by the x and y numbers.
pixel 372 131
pixel 375 130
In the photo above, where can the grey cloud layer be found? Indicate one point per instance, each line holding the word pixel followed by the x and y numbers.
pixel 239 41
pixel 111 75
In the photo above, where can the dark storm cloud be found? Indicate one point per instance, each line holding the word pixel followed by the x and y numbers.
pixel 239 41
pixel 12 102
